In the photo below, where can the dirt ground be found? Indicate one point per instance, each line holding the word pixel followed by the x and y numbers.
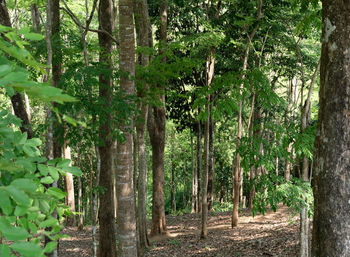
pixel 275 234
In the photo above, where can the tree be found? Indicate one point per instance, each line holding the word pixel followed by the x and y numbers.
pixel 144 34
pixel 332 148
pixel 126 225
pixel 156 130
pixel 107 240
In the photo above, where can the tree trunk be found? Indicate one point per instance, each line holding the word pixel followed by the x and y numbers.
pixel 240 127
pixel 304 219
pixel 126 226
pixel 35 17
pixel 199 165
pixel 172 185
pixel 211 161
pixel 69 183
pixel 107 240
pixel 194 179
pixel 332 149
pixel 94 199
pixel 156 129
pixel 204 230
pixel 142 30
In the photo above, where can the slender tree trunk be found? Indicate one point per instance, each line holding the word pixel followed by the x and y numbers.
pixel 211 162
pixel 143 33
pixel 204 229
pixel 94 199
pixel 199 166
pixel 126 227
pixel 194 179
pixel 107 240
pixel 35 17
pixel 70 199
pixel 172 184
pixel 304 220
pixel 240 127
pixel 156 129
pixel 332 149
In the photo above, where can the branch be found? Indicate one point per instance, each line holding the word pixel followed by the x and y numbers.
pixel 86 28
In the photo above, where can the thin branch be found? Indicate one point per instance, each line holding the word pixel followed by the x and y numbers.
pixel 78 23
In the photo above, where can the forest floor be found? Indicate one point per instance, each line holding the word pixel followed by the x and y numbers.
pixel 275 234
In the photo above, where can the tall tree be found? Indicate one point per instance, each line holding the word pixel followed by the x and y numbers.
pixel 156 130
pixel 332 148
pixel 143 31
pixel 237 169
pixel 107 240
pixel 126 226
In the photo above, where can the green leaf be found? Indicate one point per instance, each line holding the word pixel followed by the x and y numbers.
pixel 5 202
pixel 53 172
pixel 33 36
pixel 74 170
pixel 27 249
pixel 63 163
pixel 34 142
pixel 48 223
pixel 25 184
pixel 44 170
pixel 20 210
pixel 4 250
pixel 12 233
pixel 44 206
pixel 18 195
pixel 50 247
pixel 47 180
pixel 56 192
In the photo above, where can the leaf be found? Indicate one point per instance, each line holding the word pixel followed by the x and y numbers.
pixel 5 202
pixel 25 184
pixel 48 223
pixel 44 206
pixel 56 192
pixel 50 247
pixel 27 249
pixel 12 233
pixel 53 172
pixel 63 163
pixel 34 142
pixel 4 250
pixel 74 170
pixel 18 195
pixel 33 36
pixel 44 170
pixel 47 180
pixel 20 210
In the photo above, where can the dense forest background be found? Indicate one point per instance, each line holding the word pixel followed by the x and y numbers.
pixel 115 112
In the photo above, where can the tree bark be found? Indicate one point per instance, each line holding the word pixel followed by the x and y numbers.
pixel 211 161
pixel 126 226
pixel 156 129
pixel 107 240
pixel 143 33
pixel 199 166
pixel 69 183
pixel 332 149
pixel 194 179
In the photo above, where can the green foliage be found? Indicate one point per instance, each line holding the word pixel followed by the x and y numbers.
pixel 27 205
pixel 272 190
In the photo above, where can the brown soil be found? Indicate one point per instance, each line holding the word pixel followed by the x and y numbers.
pixel 275 234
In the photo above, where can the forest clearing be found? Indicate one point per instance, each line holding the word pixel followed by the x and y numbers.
pixel 275 234
pixel 159 127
